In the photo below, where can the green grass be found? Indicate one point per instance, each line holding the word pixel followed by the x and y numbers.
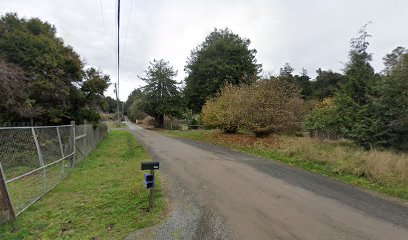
pixel 308 158
pixel 102 198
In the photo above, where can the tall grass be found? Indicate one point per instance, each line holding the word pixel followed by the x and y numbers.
pixel 345 157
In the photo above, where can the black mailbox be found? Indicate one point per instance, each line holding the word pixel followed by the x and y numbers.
pixel 150 165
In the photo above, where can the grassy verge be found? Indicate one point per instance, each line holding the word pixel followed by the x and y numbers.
pixel 102 198
pixel 382 171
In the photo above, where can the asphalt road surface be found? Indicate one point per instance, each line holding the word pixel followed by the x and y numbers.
pixel 219 194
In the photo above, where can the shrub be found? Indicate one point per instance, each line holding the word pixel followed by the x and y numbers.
pixel 149 121
pixel 323 121
pixel 224 110
pixel 135 111
pixel 265 107
pixel 271 106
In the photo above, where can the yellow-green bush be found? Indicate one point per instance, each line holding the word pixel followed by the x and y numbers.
pixel 272 106
pixel 223 111
pixel 264 107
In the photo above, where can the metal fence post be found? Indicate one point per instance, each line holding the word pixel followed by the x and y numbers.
pixel 6 209
pixel 40 158
pixel 62 151
pixel 73 144
pixel 85 139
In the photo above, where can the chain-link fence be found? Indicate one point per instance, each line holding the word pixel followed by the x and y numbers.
pixel 35 159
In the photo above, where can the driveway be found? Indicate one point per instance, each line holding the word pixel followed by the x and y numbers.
pixel 220 194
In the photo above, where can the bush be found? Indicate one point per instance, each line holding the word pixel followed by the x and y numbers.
pixel 223 111
pixel 265 107
pixel 135 111
pixel 272 106
pixel 323 122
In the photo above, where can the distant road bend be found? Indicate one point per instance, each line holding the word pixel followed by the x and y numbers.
pixel 263 199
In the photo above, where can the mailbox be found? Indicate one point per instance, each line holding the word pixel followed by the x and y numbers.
pixel 149 181
pixel 150 165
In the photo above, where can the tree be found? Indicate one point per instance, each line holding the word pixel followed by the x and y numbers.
pixel 354 98
pixel 94 85
pixel 224 57
pixel 394 59
pixel 91 96
pixel 286 73
pixel 110 105
pixel 359 73
pixel 392 106
pixel 52 67
pixel 136 110
pixel 137 93
pixel 302 80
pixel 13 86
pixel 326 84
pixel 162 96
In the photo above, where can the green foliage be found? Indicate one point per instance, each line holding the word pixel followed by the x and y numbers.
pixel 137 93
pixel 51 66
pixel 94 85
pixel 355 96
pixel 136 110
pixel 323 121
pixel 326 84
pixel 161 94
pixel 56 88
pixel 392 106
pixel 302 80
pixel 223 57
pixel 110 105
pixel 394 59
pixel 368 108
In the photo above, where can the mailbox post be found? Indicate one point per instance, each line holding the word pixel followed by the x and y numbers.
pixel 149 180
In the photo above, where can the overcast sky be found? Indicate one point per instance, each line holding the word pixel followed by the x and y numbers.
pixel 310 34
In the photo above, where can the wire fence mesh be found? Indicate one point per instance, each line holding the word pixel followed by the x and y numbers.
pixel 35 159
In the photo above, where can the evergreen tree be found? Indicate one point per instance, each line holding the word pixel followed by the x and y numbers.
pixel 392 106
pixel 224 57
pixel 326 84
pixel 162 96
pixel 354 100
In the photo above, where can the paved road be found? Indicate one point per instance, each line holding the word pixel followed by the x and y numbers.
pixel 241 197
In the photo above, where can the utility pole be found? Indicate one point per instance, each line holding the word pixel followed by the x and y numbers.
pixel 118 48
pixel 117 100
